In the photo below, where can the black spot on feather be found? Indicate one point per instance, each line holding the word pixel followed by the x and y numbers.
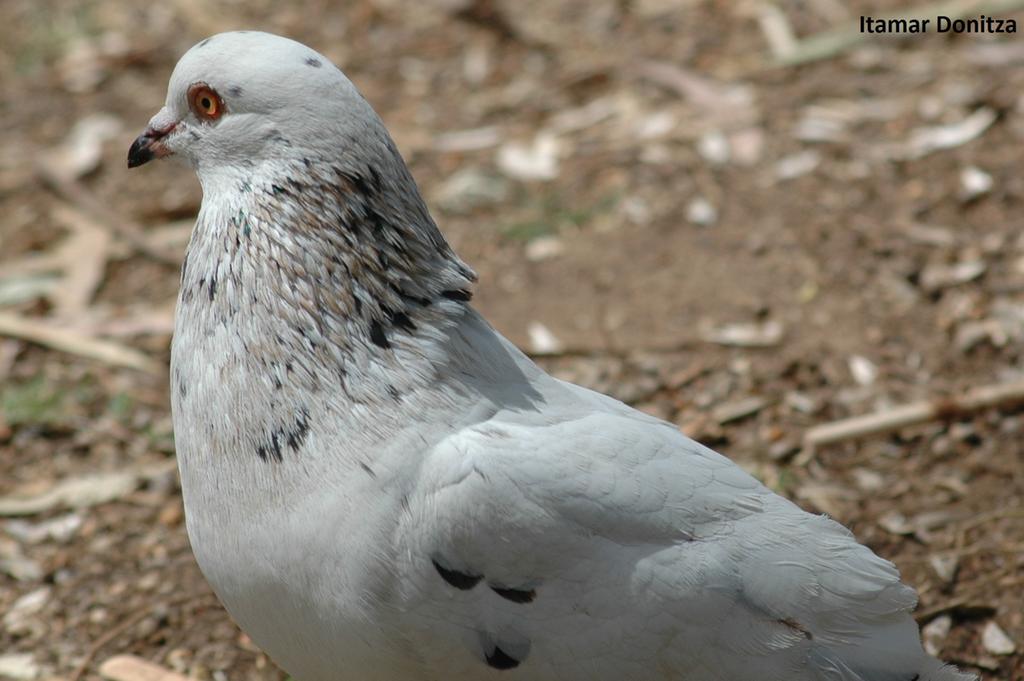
pixel 460 295
pixel 297 435
pixel 205 42
pixel 377 335
pixel 796 626
pixel 499 659
pixel 235 91
pixel 359 182
pixel 375 179
pixel 402 321
pixel 292 436
pixel 314 62
pixel 515 595
pixel 460 580
pixel 376 220
pixel 422 302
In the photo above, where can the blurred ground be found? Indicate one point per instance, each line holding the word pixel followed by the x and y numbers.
pixel 745 249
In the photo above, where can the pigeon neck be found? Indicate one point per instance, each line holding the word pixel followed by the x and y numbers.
pixel 335 269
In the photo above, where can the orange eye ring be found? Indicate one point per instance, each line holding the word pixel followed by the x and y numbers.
pixel 205 103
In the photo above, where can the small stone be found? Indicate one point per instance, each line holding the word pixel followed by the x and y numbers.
pixel 535 161
pixel 469 189
pixel 974 182
pixel 746 146
pixel 868 480
pixel 971 334
pixel 544 248
pixel 782 450
pixel 178 659
pixel 762 335
pixel 962 431
pixel 937 277
pixel 801 402
pixel 945 566
pixel 655 125
pixel 638 211
pixel 714 147
pixel 701 212
pixel 796 165
pixel 19 666
pixel 18 616
pixel 934 634
pixel 60 529
pixel 148 581
pixel 542 340
pixel 21 568
pixel 895 522
pixel 995 640
pixel 863 369
pixel 738 409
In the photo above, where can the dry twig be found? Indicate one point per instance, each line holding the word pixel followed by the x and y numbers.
pixel 77 344
pixel 976 399
pixel 126 624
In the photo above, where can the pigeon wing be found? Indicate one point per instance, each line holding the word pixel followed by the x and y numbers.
pixel 612 532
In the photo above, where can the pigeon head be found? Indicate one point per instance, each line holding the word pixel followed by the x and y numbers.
pixel 303 184
pixel 241 98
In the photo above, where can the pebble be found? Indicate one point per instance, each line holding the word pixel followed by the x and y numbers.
pixel 995 640
pixel 868 480
pixel 801 402
pixel 19 616
pixel 945 566
pixel 974 182
pixel 934 634
pixel 535 161
pixel 469 189
pixel 60 529
pixel 542 340
pixel 544 248
pixel 737 409
pixel 864 371
pixel 796 165
pixel 714 147
pixel 756 335
pixel 937 277
pixel 19 666
pixel 700 212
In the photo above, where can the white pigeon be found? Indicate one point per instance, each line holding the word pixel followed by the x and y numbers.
pixel 380 487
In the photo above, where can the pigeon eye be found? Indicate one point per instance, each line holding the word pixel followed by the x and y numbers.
pixel 205 102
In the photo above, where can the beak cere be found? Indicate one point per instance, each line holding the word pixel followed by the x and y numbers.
pixel 148 146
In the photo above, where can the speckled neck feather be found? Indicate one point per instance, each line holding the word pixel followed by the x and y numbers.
pixel 344 259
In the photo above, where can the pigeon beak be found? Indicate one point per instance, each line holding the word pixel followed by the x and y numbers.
pixel 148 146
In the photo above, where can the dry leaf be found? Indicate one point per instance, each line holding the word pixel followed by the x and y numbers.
pixel 131 668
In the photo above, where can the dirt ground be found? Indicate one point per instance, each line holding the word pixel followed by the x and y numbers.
pixel 657 209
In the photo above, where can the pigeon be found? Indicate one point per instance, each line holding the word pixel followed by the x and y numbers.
pixel 380 487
